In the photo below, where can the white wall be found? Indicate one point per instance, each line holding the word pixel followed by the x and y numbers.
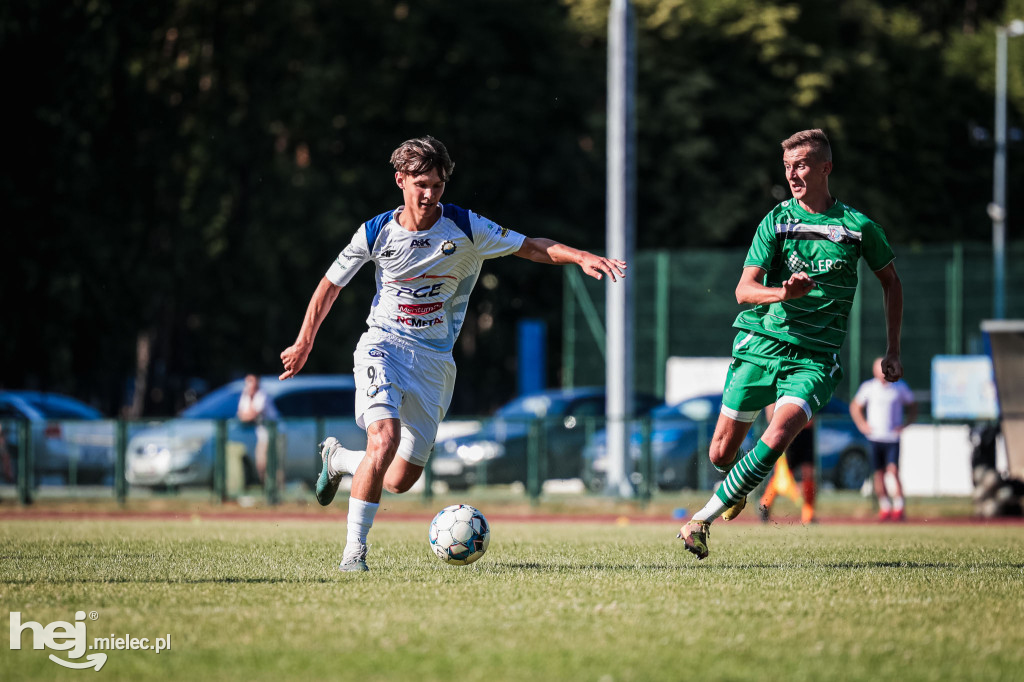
pixel 935 459
pixel 690 377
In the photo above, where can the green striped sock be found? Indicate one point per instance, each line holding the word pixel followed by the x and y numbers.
pixel 747 473
pixel 728 467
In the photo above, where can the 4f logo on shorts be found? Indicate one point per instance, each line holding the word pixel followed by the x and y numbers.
pixel 421 243
pixel 375 353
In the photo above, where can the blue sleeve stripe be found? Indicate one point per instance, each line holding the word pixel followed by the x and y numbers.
pixel 460 217
pixel 375 225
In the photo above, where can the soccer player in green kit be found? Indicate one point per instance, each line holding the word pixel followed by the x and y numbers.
pixel 800 274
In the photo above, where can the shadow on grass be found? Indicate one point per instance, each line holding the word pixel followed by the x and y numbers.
pixel 869 565
pixel 226 580
pixel 809 565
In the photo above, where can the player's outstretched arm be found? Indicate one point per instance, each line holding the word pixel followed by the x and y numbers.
pixel 750 289
pixel 294 356
pixel 892 298
pixel 551 252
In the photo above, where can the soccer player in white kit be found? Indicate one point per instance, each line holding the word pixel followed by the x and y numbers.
pixel 428 256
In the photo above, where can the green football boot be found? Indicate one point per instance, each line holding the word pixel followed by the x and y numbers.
pixel 695 537
pixel 327 485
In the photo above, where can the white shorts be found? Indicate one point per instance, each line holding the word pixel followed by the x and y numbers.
pixel 395 380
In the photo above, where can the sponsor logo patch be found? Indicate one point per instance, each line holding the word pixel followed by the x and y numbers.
pixel 796 264
pixel 387 253
pixel 418 323
pixel 375 353
pixel 419 308
pixel 421 243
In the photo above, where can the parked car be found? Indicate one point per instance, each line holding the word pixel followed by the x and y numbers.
pixel 180 452
pixel 680 435
pixel 71 442
pixel 843 452
pixel 498 451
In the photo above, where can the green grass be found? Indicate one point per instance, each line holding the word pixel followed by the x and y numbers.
pixel 576 601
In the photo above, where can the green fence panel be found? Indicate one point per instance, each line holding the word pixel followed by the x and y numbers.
pixel 947 293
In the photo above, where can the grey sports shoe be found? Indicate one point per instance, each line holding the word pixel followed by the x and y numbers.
pixel 327 485
pixel 354 561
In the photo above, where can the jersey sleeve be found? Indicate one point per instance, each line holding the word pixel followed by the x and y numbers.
pixel 762 249
pixel 493 240
pixel 351 258
pixel 875 247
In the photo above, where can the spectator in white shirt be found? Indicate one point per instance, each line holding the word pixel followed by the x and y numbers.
pixel 881 410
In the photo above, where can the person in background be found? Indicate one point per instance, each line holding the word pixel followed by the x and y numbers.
pixel 254 408
pixel 882 409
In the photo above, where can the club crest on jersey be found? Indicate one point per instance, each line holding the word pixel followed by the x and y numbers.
pixel 448 247
pixel 421 243
pixel 834 234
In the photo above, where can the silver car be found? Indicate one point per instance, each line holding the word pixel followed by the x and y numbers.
pixel 180 452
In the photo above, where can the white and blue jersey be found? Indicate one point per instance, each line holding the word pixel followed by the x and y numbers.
pixel 424 278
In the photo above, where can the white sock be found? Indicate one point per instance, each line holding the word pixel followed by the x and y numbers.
pixel 344 461
pixel 884 504
pixel 360 519
pixel 897 503
pixel 712 510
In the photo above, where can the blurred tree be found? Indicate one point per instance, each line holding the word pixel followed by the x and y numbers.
pixel 180 174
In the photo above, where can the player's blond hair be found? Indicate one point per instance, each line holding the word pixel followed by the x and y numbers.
pixel 815 139
pixel 422 155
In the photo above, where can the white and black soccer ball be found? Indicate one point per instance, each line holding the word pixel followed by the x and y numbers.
pixel 459 534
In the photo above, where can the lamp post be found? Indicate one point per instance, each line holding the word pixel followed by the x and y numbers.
pixel 997 209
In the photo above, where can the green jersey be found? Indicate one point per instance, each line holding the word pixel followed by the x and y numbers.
pixel 827 247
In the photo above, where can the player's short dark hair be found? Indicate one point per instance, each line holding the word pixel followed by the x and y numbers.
pixel 422 155
pixel 815 138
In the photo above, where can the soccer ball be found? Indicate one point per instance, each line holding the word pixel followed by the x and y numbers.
pixel 459 534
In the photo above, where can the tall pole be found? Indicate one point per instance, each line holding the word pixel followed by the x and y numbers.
pixel 997 209
pixel 621 238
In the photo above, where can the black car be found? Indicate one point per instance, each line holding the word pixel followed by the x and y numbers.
pixel 556 423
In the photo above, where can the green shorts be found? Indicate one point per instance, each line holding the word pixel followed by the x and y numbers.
pixel 765 370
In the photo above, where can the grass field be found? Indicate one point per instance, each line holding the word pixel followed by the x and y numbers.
pixel 550 601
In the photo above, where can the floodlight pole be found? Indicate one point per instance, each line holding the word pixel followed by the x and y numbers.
pixel 621 239
pixel 997 209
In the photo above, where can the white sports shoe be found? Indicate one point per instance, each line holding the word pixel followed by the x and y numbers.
pixel 354 560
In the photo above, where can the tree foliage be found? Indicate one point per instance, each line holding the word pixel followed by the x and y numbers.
pixel 180 173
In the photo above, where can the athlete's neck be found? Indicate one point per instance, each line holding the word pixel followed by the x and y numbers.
pixel 818 204
pixel 417 218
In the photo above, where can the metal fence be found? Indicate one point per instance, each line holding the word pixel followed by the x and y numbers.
pixel 122 459
pixel 685 306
